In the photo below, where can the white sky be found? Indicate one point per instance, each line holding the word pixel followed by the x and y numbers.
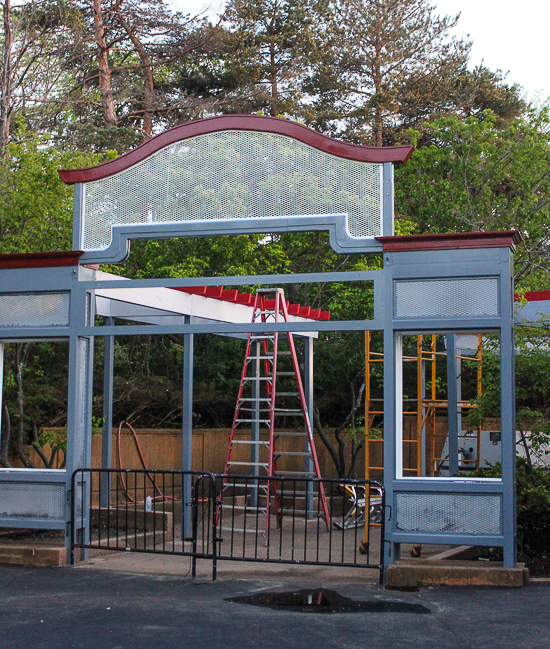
pixel 509 36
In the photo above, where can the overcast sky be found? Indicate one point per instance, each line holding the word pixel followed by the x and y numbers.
pixel 506 35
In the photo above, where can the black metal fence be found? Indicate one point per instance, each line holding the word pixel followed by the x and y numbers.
pixel 227 517
pixel 159 512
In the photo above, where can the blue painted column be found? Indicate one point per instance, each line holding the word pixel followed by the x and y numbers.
pixel 308 389
pixel 187 432
pixel 107 437
pixel 452 397
pixel 1 385
pixel 255 425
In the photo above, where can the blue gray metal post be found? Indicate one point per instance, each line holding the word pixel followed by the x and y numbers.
pixel 107 438
pixel 308 389
pixel 187 432
pixel 452 398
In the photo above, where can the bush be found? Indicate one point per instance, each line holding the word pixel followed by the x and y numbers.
pixel 533 507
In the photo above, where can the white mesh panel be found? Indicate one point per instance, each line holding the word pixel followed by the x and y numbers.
pixel 34 309
pixel 81 419
pixel 453 513
pixel 446 298
pixel 25 499
pixel 234 175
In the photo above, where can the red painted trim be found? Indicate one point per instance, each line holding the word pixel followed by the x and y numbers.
pixel 293 309
pixel 247 299
pixel 212 291
pixel 40 259
pixel 230 295
pixel 451 241
pixel 257 123
pixel 534 296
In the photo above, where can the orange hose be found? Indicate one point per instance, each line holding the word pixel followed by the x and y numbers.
pixel 160 496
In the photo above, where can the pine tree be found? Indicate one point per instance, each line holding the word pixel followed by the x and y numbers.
pixel 376 50
pixel 271 47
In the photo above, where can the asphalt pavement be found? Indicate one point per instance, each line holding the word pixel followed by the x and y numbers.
pixel 84 608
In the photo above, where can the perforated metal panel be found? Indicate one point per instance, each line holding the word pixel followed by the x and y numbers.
pixel 27 499
pixel 234 175
pixel 446 298
pixel 459 513
pixel 79 435
pixel 34 309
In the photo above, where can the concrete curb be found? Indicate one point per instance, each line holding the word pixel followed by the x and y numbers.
pixel 427 572
pixel 33 554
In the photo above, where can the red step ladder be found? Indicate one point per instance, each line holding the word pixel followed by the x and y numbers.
pixel 267 393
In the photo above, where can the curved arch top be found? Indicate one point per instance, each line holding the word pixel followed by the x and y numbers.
pixel 259 123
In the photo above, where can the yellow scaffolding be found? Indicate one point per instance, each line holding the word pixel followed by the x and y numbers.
pixel 426 409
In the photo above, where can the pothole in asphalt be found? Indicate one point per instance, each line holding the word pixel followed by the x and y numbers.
pixel 322 600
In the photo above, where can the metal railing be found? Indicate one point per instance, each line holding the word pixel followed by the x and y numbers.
pixel 150 511
pixel 296 531
pixel 228 517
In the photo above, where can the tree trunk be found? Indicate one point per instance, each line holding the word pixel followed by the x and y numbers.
pixel 274 82
pixel 20 355
pixel 148 80
pixel 37 447
pixel 529 468
pixel 5 440
pixel 377 78
pixel 107 103
pixel 5 90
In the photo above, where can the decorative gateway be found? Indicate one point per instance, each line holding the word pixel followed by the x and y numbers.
pixel 251 174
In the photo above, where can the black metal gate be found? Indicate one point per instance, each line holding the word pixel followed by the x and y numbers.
pixel 258 519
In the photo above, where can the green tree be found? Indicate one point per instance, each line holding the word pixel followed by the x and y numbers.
pixel 476 177
pixel 36 209
pixel 268 52
pixel 376 50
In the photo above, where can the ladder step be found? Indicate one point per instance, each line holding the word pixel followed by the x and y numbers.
pixel 259 358
pixel 239 529
pixel 261 378
pixel 248 508
pixel 289 411
pixel 249 441
pixel 288 433
pixel 253 409
pixel 298 474
pixel 264 464
pixel 263 337
pixel 287 394
pixel 253 484
pixel 282 374
pixel 255 399
pixel 240 421
pixel 281 492
pixel 292 453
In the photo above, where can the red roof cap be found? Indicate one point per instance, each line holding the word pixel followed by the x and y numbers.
pixel 451 241
pixel 40 259
pixel 377 154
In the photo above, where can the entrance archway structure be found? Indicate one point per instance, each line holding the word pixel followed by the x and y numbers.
pixel 252 174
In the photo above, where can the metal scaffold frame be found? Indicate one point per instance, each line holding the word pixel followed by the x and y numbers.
pixel 426 459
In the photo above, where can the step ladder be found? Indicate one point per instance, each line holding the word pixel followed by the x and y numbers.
pixel 271 392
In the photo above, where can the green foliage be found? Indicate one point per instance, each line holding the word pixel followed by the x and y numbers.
pixel 36 208
pixel 533 506
pixel 269 48
pixel 57 443
pixel 475 177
